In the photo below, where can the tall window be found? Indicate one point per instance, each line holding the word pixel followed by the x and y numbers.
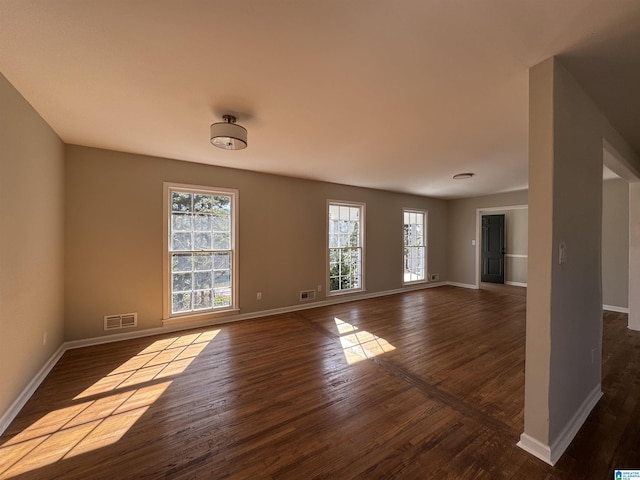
pixel 346 240
pixel 200 250
pixel 415 241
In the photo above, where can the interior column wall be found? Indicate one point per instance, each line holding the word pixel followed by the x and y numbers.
pixel 576 284
pixel 564 302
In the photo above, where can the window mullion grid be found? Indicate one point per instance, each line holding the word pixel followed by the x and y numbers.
pixel 194 228
pixel 345 255
pixel 414 238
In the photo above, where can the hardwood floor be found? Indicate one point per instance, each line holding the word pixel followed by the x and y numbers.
pixel 504 288
pixel 426 384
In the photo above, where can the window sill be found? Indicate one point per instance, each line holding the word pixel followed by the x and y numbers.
pixel 414 282
pixel 200 318
pixel 346 292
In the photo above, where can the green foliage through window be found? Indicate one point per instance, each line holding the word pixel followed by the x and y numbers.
pixel 414 233
pixel 345 247
pixel 201 254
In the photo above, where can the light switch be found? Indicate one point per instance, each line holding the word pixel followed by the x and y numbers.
pixel 562 253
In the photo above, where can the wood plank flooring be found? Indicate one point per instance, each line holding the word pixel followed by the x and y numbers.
pixel 421 385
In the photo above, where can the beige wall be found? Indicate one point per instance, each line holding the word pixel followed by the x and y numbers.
pixel 31 243
pixel 518 231
pixel 114 235
pixel 615 239
pixel 517 245
pixel 461 214
pixel 615 243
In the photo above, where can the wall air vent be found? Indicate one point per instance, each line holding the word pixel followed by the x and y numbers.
pixel 307 295
pixel 123 320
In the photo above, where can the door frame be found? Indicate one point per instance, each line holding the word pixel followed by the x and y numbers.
pixel 478 239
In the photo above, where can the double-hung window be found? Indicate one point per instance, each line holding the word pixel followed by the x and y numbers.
pixel 415 246
pixel 200 250
pixel 346 247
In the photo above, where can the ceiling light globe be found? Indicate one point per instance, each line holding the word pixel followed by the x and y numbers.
pixel 227 135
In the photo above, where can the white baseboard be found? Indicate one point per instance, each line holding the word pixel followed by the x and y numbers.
pixel 463 285
pixel 16 406
pixel 182 324
pixel 552 453
pixel 613 308
pixel 516 284
pixel 535 448
pixel 117 337
pixel 560 444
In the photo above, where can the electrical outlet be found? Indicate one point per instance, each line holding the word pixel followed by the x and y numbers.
pixel 44 339
pixel 319 287
pixel 259 296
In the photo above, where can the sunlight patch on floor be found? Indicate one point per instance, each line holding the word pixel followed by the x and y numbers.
pixel 161 359
pixel 104 412
pixel 359 344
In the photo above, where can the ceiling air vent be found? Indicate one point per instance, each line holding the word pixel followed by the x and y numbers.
pixel 123 320
pixel 306 295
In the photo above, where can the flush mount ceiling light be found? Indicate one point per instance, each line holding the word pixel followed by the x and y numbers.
pixel 462 176
pixel 228 135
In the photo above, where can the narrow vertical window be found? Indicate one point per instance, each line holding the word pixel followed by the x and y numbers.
pixel 415 245
pixel 200 251
pixel 346 247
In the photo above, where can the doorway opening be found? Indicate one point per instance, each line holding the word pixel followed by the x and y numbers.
pixel 492 249
pixel 501 256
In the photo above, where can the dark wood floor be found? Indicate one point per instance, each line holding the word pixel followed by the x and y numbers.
pixel 427 384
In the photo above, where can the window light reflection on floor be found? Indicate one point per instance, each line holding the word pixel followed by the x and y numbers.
pixel 359 344
pixel 104 412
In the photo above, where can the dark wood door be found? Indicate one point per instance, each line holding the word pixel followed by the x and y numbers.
pixel 492 249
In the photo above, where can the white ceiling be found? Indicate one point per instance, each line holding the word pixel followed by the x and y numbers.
pixel 391 94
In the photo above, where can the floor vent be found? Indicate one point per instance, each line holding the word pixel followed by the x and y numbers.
pixel 124 320
pixel 307 295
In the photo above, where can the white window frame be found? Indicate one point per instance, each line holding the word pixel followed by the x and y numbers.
pixel 362 208
pixel 425 239
pixel 168 316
